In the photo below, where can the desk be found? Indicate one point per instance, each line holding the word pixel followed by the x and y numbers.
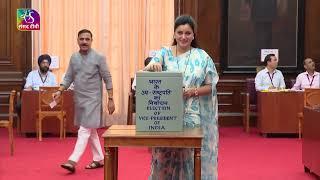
pixel 126 135
pixel 311 140
pixel 277 111
pixel 29 108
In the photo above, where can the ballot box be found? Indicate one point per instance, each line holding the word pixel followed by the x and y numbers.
pixel 159 101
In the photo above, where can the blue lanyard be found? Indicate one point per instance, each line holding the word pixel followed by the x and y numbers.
pixel 310 83
pixel 271 78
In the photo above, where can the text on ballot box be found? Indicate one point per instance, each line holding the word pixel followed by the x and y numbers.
pixel 159 101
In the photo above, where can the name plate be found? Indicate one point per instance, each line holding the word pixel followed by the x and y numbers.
pixel 159 101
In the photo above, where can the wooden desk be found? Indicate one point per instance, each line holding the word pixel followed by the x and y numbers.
pixel 126 135
pixel 29 108
pixel 311 141
pixel 277 111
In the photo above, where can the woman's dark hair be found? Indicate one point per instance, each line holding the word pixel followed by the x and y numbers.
pixel 182 20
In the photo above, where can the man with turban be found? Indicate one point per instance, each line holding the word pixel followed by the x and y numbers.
pixel 42 76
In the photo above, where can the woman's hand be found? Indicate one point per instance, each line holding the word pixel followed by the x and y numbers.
pixel 188 93
pixel 197 91
pixel 156 67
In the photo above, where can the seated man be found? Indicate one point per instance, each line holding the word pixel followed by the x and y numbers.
pixel 42 76
pixel 308 79
pixel 269 77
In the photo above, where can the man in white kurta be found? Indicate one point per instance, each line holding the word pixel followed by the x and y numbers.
pixel 86 70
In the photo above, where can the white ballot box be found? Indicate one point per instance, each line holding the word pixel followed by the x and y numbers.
pixel 159 101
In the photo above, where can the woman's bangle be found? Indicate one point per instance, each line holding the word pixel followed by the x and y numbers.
pixel 196 93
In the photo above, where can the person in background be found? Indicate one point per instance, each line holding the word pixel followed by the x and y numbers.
pixel 308 79
pixel 87 68
pixel 146 62
pixel 270 77
pixel 200 103
pixel 42 76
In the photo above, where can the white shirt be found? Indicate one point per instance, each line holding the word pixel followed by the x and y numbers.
pixel 304 80
pixel 34 80
pixel 264 80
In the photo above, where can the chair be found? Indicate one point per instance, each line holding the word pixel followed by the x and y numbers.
pixel 291 83
pixel 45 98
pixel 17 113
pixel 8 123
pixel 250 103
pixel 259 68
pixel 311 99
pixel 131 105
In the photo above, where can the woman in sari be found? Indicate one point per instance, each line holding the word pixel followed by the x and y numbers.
pixel 200 102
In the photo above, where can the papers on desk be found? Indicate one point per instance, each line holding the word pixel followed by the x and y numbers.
pixel 297 90
pixel 278 90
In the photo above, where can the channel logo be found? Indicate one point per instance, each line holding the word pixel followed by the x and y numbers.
pixel 28 20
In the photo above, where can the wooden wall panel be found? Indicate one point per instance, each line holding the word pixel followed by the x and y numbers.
pixel 15 50
pixel 230 101
pixel 4 31
pixel 4 50
pixel 15 53
pixel 209 20
pixel 312 27
pixel 207 14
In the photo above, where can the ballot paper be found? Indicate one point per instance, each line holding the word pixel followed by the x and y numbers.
pixel 53 104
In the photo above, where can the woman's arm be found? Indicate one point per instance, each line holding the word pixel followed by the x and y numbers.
pixel 195 92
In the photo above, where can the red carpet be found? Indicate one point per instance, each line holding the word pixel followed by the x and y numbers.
pixel 241 157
